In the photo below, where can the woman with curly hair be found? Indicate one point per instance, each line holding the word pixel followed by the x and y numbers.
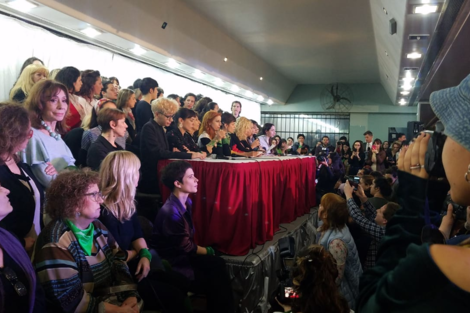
pixel 76 259
pixel 314 276
pixel 29 77
pixel 238 140
pixel 212 139
pixel 26 193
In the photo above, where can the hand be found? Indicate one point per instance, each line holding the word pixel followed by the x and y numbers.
pixel 286 307
pixel 414 154
pixel 375 151
pixel 186 149
pixel 348 189
pixel 198 155
pixel 131 303
pixel 143 269
pixel 131 254
pixel 255 144
pixel 255 153
pixel 221 134
pixel 204 154
pixel 176 150
pixel 50 169
pixel 299 150
pixel 209 148
pixel 361 194
pixel 447 222
pixel 29 243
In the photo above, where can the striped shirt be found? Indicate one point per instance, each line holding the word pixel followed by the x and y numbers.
pixel 69 277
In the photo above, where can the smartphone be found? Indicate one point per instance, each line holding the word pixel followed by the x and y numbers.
pixel 374 147
pixel 289 293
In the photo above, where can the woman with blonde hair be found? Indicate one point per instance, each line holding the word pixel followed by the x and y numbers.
pixel 31 75
pixel 238 140
pixel 119 176
pixel 212 139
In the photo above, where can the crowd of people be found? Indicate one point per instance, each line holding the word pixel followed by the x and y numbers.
pixel 76 148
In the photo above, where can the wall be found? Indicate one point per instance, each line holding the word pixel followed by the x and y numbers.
pixel 372 109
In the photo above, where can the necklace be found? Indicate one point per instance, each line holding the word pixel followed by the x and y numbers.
pixel 51 133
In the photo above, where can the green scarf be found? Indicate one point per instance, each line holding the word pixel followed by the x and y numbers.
pixel 84 237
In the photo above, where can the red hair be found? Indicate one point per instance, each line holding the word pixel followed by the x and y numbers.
pixel 206 123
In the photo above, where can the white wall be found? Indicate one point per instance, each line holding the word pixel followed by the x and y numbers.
pixel 23 40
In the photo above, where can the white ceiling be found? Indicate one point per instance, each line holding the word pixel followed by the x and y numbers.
pixel 309 41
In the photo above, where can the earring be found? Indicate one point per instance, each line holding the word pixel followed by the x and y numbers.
pixel 466 174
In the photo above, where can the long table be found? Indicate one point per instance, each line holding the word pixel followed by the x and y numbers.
pixel 240 203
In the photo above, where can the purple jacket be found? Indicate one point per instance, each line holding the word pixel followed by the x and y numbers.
pixel 173 235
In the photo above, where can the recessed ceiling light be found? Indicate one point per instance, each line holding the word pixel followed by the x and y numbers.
pixel 270 101
pixel 91 32
pixel 235 88
pixel 249 93
pixel 413 55
pixel 172 63
pixel 198 74
pixel 407 86
pixel 405 93
pixel 425 9
pixel 261 78
pixel 219 82
pixel 402 101
pixel 137 50
pixel 22 5
pixel 225 59
pixel 260 98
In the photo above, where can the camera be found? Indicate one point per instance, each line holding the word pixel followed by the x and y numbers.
pixel 353 180
pixel 285 292
pixel 459 211
pixel 433 162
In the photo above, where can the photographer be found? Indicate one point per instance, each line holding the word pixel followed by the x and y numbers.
pixel 357 158
pixel 324 148
pixel 330 169
pixel 314 278
pixel 410 276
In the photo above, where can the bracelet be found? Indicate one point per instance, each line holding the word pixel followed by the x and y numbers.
pixel 145 253
pixel 210 251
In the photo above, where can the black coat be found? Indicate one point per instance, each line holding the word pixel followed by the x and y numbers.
pixel 143 113
pixel 98 151
pixel 153 147
pixel 20 220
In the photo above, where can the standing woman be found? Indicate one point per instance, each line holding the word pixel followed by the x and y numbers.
pixel 126 102
pixel 19 290
pixel 46 152
pixel 357 158
pixel 119 176
pixel 212 139
pixel 236 109
pixel 91 87
pixel 70 77
pixel 377 156
pixel 29 77
pixel 334 236
pixel 26 193
pixel 269 131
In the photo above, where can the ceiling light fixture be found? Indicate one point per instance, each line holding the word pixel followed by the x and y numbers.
pixel 407 86
pixel 270 102
pixel 414 55
pixel 261 78
pixel 91 32
pixel 22 5
pixel 198 74
pixel 235 88
pixel 219 82
pixel 405 93
pixel 402 101
pixel 249 93
pixel 260 98
pixel 137 50
pixel 225 59
pixel 425 9
pixel 172 63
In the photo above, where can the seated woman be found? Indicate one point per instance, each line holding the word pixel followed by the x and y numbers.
pixel 281 148
pixel 26 193
pixel 31 75
pixel 268 132
pixel 113 125
pixel 314 276
pixel 46 152
pixel 300 147
pixel 212 139
pixel 238 140
pixel 357 158
pixel 334 236
pixel 76 259
pixel 380 191
pixel 71 78
pixel 19 288
pixel 253 139
pixel 173 238
pixel 180 138
pixel 119 176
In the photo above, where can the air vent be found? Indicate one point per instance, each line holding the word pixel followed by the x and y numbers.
pixel 418 37
pixel 411 68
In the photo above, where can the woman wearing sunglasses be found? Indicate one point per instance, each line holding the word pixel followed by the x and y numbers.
pixel 78 262
pixel 26 193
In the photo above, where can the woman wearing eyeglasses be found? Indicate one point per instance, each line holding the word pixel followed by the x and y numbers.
pixel 76 259
pixel 19 291
pixel 26 193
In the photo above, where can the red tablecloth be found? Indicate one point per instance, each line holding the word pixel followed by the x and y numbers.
pixel 240 204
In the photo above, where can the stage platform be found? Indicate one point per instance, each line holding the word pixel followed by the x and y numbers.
pixel 254 275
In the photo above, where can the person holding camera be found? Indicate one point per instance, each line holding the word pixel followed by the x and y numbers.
pixel 412 276
pixel 314 276
pixel 357 158
pixel 325 148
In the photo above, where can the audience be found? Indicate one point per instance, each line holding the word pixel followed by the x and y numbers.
pixel 154 144
pixel 126 102
pixel 189 101
pixel 300 147
pixel 325 148
pixel 376 156
pixel 160 92
pixel 173 238
pixel 113 125
pixel 46 152
pixel 26 194
pixel 29 77
pixel 268 132
pixel 236 108
pixel 380 191
pixel 392 154
pixel 19 288
pixel 334 236
pixel 119 175
pixel 71 78
pixel 109 91
pixel 213 139
pixel 181 138
pixel 91 87
pixel 143 110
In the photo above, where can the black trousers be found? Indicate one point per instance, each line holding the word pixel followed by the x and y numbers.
pixel 211 278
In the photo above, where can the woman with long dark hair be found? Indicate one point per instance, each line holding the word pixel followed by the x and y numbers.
pixel 357 157
pixel 71 78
